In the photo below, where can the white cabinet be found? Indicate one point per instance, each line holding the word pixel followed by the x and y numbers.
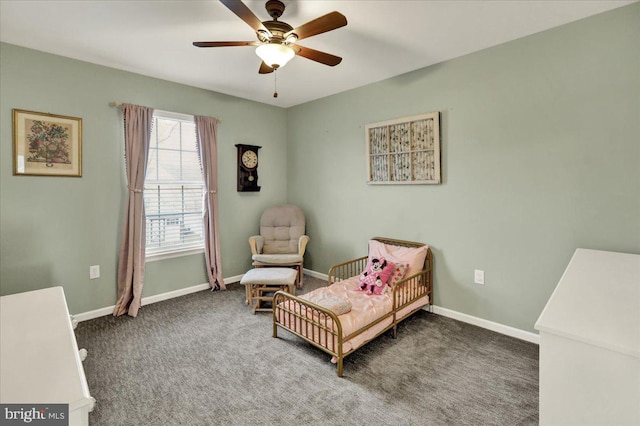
pixel 590 343
pixel 39 359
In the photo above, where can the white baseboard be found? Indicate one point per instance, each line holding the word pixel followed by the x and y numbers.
pixel 449 313
pixel 489 325
pixel 234 279
pixel 315 274
pixel 153 299
pixel 96 313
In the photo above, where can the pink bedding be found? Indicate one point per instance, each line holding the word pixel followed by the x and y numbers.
pixel 365 310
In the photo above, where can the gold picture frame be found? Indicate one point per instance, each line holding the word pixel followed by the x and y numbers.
pixel 46 144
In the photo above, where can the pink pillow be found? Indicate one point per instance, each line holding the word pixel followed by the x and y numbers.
pixel 414 256
pixel 398 273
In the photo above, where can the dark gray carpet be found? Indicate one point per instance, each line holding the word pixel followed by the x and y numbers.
pixel 204 359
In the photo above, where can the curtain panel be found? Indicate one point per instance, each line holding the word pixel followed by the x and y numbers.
pixel 207 137
pixel 137 124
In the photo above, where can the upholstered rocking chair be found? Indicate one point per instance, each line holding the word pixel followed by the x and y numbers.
pixel 282 241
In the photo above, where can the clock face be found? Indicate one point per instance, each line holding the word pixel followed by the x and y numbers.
pixel 250 159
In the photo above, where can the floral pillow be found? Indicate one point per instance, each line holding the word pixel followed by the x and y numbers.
pixel 398 273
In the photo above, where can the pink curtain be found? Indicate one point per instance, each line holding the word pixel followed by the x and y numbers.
pixel 207 136
pixel 137 126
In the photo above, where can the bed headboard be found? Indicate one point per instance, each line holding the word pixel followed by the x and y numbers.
pixel 428 261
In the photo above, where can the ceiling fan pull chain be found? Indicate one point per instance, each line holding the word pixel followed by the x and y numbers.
pixel 275 83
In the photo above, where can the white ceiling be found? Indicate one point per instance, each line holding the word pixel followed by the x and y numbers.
pixel 381 40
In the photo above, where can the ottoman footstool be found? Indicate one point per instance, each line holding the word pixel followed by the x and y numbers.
pixel 261 283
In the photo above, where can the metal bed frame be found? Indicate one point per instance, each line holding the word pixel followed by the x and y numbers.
pixel 306 320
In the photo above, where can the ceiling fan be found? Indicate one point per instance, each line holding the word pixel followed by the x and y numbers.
pixel 276 43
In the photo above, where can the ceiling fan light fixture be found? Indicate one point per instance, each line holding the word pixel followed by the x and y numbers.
pixel 275 55
pixel 291 39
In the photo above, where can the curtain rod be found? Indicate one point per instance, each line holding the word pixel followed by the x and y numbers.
pixel 118 104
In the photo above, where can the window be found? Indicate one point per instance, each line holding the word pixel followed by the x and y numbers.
pixel 173 187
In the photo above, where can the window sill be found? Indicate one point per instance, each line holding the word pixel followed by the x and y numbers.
pixel 172 254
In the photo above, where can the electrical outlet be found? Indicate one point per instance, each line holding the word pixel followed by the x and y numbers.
pixel 478 276
pixel 94 272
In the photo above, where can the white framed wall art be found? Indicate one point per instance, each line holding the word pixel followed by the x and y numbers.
pixel 404 151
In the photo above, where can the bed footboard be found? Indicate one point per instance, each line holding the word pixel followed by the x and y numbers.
pixel 315 324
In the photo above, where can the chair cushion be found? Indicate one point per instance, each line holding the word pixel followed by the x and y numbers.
pixel 270 276
pixel 282 227
pixel 277 259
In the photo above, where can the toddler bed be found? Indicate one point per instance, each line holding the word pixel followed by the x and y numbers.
pixel 342 317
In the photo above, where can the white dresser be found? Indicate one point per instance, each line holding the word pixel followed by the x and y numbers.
pixel 590 343
pixel 39 360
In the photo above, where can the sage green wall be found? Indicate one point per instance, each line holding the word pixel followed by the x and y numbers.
pixel 54 228
pixel 540 156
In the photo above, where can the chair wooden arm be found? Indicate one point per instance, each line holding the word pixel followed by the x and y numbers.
pixel 302 244
pixel 256 242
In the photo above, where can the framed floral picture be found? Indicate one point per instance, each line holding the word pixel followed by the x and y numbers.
pixel 46 144
pixel 404 151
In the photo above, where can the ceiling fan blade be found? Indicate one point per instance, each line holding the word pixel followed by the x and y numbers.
pixel 224 43
pixel 265 69
pixel 320 25
pixel 318 56
pixel 244 13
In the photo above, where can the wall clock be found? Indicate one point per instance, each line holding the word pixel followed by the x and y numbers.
pixel 248 167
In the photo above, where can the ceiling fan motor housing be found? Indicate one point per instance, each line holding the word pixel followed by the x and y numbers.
pixel 278 30
pixel 275 8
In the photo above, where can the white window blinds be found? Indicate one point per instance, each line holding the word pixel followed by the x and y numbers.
pixel 174 187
